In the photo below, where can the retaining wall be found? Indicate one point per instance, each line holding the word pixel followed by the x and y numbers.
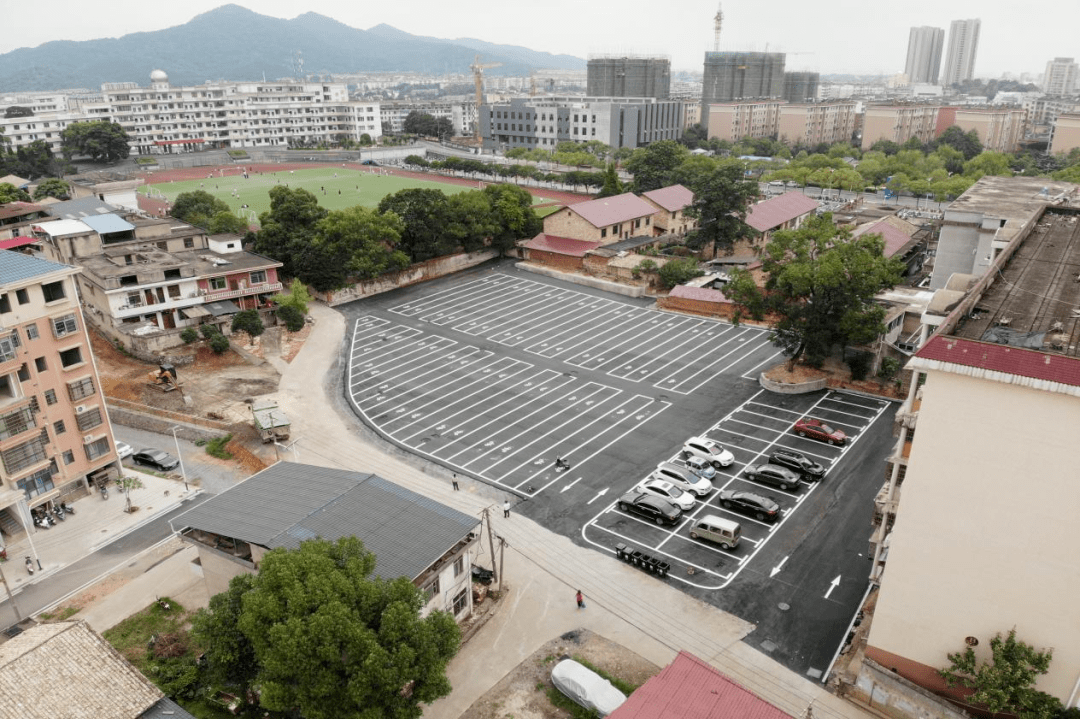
pixel 420 272
pixel 792 388
pixel 889 694
pixel 587 281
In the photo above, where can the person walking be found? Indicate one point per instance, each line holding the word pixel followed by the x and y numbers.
pixel 506 509
pixel 580 600
pixel 456 488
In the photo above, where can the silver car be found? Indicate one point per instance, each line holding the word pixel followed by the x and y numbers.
pixel 682 478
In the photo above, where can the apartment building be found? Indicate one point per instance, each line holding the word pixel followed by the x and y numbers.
pixel 963 47
pixel 899 123
pixel 924 55
pixel 460 112
pixel 996 350
pixel 1061 76
pixel 812 124
pixel 999 128
pixel 732 121
pixel 1065 135
pixel 544 122
pixel 55 435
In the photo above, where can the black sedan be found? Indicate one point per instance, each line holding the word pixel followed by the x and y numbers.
pixel 650 506
pixel 753 505
pixel 798 462
pixel 781 477
pixel 155 458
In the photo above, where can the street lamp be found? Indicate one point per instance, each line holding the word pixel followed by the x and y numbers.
pixel 180 456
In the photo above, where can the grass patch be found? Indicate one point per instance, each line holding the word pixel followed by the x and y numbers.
pixel 622 685
pixel 216 447
pixel 146 161
pixel 545 211
pixel 238 154
pixel 130 636
pixel 564 702
pixel 59 616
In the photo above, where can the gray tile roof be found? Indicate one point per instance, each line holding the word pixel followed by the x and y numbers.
pixel 287 503
pixel 166 708
pixel 16 267
pixel 80 208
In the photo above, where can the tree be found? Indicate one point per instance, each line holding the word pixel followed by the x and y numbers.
pixel 425 214
pixel 33 161
pixel 287 231
pixel 248 322
pixel 1005 683
pixel 512 215
pixel 966 142
pixel 189 335
pixel 52 187
pixel 820 288
pixel 198 207
pixel 612 186
pixel 225 222
pixel 676 272
pixel 988 163
pixel 291 317
pixel 297 297
pixel 10 193
pixel 101 140
pixel 470 220
pixel 127 484
pixel 720 202
pixel 321 637
pixel 218 342
pixel 355 242
pixel 653 165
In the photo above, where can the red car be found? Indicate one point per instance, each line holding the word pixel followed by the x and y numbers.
pixel 816 429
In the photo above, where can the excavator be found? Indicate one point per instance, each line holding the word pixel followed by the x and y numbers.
pixel 164 379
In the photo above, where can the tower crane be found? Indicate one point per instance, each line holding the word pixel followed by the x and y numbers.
pixel 478 76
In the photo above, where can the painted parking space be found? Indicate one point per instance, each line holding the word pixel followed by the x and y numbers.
pixel 751 432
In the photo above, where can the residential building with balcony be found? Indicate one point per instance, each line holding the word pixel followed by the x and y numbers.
pixel 818 122
pixel 899 123
pixel 999 128
pixel 732 121
pixel 55 435
pixel 1064 137
pixel 460 112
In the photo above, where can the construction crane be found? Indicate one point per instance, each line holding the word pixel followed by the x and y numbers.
pixel 478 75
pixel 717 22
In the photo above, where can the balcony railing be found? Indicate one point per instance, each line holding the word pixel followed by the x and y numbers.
pixel 213 296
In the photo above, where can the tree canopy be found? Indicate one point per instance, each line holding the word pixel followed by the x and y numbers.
pixel 52 187
pixel 721 199
pixel 425 213
pixel 204 210
pixel 421 123
pixel 612 185
pixel 10 193
pixel 820 288
pixel 653 165
pixel 100 140
pixel 318 634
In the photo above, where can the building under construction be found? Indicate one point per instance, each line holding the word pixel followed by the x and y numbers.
pixel 801 86
pixel 626 76
pixel 732 76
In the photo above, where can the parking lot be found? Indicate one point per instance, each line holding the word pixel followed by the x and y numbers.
pixel 750 432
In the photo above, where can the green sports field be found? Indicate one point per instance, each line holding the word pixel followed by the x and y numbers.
pixel 335 187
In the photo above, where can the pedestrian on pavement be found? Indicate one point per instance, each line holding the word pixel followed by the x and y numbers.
pixel 456 487
pixel 580 600
pixel 506 509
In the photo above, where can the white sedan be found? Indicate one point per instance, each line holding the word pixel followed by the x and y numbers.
pixel 667 490
pixel 123 450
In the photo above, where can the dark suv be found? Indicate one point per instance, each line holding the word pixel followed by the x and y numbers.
pixel 781 477
pixel 760 508
pixel 799 462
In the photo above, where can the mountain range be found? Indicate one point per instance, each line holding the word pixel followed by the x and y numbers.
pixel 234 43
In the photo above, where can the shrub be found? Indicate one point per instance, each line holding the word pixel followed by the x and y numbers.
pixel 208 331
pixel 291 317
pixel 146 161
pixel 219 343
pixel 189 335
pixel 889 367
pixel 238 153
pixel 859 363
pixel 170 646
pixel 248 322
pixel 216 447
pixel 676 272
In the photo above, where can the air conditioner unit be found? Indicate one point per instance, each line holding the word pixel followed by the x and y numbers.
pixel 87 439
pixel 80 409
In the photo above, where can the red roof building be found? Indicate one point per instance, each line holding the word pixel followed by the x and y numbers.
pixel 785 212
pixel 671 203
pixel 562 253
pixel 688 688
pixel 605 220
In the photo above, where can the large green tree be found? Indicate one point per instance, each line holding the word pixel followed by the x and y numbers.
pixel 320 636
pixel 353 243
pixel 204 210
pixel 612 185
pixel 471 222
pixel 287 231
pixel 10 193
pixel 653 165
pixel 966 142
pixel 1005 682
pixel 52 187
pixel 820 288
pixel 425 213
pixel 721 199
pixel 512 215
pixel 100 140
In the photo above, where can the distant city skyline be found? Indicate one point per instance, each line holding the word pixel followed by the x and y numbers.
pixel 846 36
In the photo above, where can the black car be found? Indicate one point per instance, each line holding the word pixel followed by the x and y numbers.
pixel 650 506
pixel 155 458
pixel 760 508
pixel 781 477
pixel 798 462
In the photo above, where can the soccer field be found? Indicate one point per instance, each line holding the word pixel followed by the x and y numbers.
pixel 336 188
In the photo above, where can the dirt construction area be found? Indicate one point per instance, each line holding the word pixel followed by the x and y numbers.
pixel 523 693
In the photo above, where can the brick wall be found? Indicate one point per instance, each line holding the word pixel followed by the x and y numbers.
pixel 566 263
pixel 565 223
pixel 697 307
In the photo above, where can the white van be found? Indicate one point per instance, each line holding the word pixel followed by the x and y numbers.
pixel 718 530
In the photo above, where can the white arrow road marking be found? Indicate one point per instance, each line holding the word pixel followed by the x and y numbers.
pixel 833 585
pixel 600 494
pixel 441 427
pixel 776 570
pixel 571 485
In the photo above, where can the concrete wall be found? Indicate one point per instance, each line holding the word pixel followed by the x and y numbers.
pixel 584 280
pixel 792 387
pixel 419 272
pixel 891 695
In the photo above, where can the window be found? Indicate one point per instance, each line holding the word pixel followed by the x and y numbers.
pixel 63 326
pixel 459 565
pixel 89 419
pixel 58 427
pixel 69 457
pixel 53 291
pixel 71 357
pixel 81 388
pixel 258 277
pixel 7 349
pixel 218 283
pixel 188 243
pixel 431 589
pixel 50 396
pixel 31 331
pixel 174 291
pixel 97 449
pixel 24 455
pixel 16 422
pixel 23 296
pixel 5 303
pixel 461 601
pixel 603 232
pixel 37 483
pixel 41 365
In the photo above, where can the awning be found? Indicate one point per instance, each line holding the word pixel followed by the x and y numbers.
pixel 104 224
pixel 222 307
pixel 16 242
pixel 195 311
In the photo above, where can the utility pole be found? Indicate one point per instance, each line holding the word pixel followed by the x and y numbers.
pixel 18 614
pixel 502 550
pixel 491 542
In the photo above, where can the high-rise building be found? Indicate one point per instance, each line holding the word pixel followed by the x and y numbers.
pixel 732 76
pixel 924 55
pixel 629 77
pixel 1061 76
pixel 963 44
pixel 801 86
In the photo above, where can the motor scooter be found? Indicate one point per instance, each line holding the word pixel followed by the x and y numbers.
pixel 30 566
pixel 68 508
pixel 104 491
pixel 58 512
pixel 41 521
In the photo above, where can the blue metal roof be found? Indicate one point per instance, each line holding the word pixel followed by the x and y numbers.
pixel 16 267
pixel 104 224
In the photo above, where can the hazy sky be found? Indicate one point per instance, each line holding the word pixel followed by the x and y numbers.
pixel 859 36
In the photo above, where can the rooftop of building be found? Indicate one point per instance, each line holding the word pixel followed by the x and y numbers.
pixel 776 211
pixel 672 198
pixel 611 210
pixel 560 245
pixel 17 268
pixel 146 257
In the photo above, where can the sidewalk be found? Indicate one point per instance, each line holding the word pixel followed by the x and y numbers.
pixel 96 522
